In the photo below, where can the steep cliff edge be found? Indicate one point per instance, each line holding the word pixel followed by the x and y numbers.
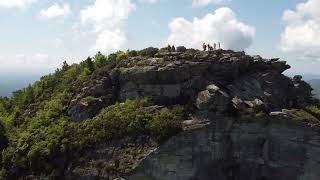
pixel 223 91
pixel 178 77
pixel 163 115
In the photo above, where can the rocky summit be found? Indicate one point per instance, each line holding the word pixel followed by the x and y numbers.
pixel 220 81
pixel 172 115
pixel 219 89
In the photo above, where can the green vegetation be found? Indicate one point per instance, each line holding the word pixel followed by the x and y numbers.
pixel 88 100
pixel 148 52
pixel 302 116
pixel 38 138
pixel 181 49
pixel 314 109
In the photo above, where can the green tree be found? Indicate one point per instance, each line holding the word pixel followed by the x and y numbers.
pixel 89 64
pixel 65 66
pixel 100 60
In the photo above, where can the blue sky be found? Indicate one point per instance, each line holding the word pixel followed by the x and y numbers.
pixel 36 36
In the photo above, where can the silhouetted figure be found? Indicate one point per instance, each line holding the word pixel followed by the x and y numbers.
pixel 209 47
pixel 219 45
pixel 204 47
pixel 214 46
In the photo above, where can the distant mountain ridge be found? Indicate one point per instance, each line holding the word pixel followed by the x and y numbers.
pixel 315 83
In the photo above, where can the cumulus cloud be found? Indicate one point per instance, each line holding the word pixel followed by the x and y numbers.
pixel 221 26
pixel 16 3
pixel 109 19
pixel 197 3
pixel 301 34
pixel 56 11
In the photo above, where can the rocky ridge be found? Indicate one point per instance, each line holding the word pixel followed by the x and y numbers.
pixel 236 126
pixel 179 77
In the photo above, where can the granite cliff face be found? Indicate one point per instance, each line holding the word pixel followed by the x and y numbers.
pixel 236 127
pixel 227 149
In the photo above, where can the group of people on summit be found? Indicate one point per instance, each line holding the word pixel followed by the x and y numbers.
pixel 209 47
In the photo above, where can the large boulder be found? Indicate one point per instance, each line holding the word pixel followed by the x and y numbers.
pixel 213 99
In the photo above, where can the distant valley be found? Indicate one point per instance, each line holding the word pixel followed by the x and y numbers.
pixel 10 82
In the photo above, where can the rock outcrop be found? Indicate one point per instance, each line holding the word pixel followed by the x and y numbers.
pixel 264 148
pixel 236 127
pixel 178 77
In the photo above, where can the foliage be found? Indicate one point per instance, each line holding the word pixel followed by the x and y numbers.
pixel 100 60
pixel 88 100
pixel 38 138
pixel 49 142
pixel 132 53
pixel 127 119
pixel 314 109
pixel 121 56
pixel 148 52
pixel 181 49
pixel 303 116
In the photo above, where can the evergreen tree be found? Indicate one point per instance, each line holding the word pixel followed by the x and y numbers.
pixel 173 49
pixel 100 60
pixel 65 66
pixel 89 64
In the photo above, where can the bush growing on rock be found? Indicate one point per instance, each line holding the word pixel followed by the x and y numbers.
pixel 100 60
pixel 50 135
pixel 181 49
pixel 314 109
pixel 149 52
pixel 132 53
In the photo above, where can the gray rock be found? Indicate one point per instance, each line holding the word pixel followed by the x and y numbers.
pixel 213 99
pixel 231 149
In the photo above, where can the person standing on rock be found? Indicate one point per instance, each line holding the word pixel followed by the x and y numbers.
pixel 214 46
pixel 209 47
pixel 204 47
pixel 219 45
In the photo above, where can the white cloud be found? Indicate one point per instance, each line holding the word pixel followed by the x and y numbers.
pixel 198 3
pixel 56 11
pixel 16 3
pixel 301 34
pixel 109 19
pixel 149 1
pixel 221 26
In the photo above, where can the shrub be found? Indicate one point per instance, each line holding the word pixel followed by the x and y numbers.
pixel 314 110
pixel 302 115
pixel 121 55
pixel 100 60
pixel 149 52
pixel 181 49
pixel 165 124
pixel 173 49
pixel 132 53
pixel 127 119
